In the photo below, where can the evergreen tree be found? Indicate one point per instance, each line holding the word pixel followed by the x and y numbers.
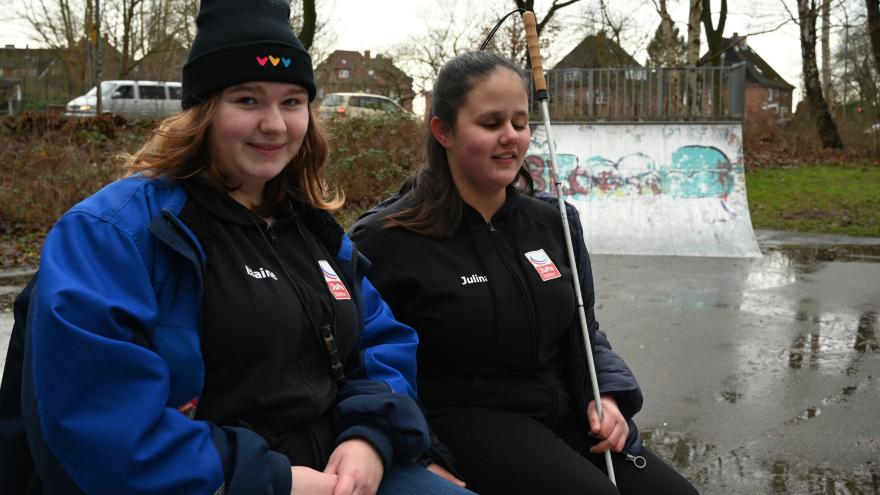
pixel 657 50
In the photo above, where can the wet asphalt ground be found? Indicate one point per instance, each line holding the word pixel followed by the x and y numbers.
pixel 761 376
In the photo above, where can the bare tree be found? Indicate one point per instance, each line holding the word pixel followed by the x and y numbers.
pixel 510 39
pixel 873 7
pixel 312 26
pixel 543 21
pixel 446 34
pixel 854 66
pixel 827 83
pixel 142 30
pixel 695 13
pixel 824 122
pixel 309 22
pixel 714 33
pixel 692 54
pixel 616 23
pixel 64 26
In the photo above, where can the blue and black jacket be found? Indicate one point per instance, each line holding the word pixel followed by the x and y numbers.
pixel 112 360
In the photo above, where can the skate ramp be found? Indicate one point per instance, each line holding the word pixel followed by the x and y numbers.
pixel 652 189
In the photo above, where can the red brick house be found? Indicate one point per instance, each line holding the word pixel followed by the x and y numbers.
pixel 596 51
pixel 599 92
pixel 347 71
pixel 766 91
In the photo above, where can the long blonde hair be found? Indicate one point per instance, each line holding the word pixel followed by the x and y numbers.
pixel 177 149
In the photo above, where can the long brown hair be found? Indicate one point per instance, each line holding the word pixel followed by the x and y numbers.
pixel 178 149
pixel 433 206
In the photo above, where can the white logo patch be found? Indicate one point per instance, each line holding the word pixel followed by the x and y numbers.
pixel 543 264
pixel 334 283
pixel 260 273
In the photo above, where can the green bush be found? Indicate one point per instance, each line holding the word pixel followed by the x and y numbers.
pixel 370 156
pixel 49 162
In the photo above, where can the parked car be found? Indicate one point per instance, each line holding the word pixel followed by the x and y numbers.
pixel 355 104
pixel 129 98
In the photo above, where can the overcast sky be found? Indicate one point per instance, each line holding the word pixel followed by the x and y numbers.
pixel 378 25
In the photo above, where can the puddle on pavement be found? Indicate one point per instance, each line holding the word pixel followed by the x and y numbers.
pixel 808 255
pixel 782 265
pixel 732 472
pixel 829 341
pixel 808 258
pixel 836 341
pixel 844 395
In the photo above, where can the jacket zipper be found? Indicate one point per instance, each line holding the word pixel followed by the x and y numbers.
pixel 191 407
pixel 637 460
pixel 272 236
pixel 524 290
pixel 173 221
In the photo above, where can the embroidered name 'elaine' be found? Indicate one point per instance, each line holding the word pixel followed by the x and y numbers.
pixel 473 279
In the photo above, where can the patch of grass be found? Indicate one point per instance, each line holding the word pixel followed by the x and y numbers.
pixel 824 198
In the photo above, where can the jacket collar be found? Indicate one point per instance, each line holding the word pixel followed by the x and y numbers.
pixel 472 218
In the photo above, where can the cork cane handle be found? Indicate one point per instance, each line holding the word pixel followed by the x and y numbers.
pixel 534 50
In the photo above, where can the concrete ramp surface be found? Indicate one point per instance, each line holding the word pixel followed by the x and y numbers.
pixel 652 189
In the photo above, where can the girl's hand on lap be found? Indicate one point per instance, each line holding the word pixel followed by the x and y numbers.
pixel 443 473
pixel 307 481
pixel 358 467
pixel 612 430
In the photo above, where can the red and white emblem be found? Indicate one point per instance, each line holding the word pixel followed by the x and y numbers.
pixel 334 283
pixel 543 264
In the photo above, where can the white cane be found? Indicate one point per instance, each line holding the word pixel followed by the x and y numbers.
pixel 541 95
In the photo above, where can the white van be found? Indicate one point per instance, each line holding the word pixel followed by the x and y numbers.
pixel 129 98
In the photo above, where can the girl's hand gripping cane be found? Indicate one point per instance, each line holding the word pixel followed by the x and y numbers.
pixel 541 95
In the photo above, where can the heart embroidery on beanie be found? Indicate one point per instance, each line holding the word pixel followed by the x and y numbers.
pixel 274 60
pixel 285 61
pixel 262 60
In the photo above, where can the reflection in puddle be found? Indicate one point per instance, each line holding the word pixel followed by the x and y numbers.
pixel 832 340
pixel 730 396
pixel 781 265
pixel 678 448
pixel 808 255
pixel 780 477
pixel 815 481
pixel 774 270
pixel 737 472
pixel 866 335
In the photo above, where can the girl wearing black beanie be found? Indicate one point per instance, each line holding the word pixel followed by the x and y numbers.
pixel 203 325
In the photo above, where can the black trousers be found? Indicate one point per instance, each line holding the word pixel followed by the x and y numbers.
pixel 500 452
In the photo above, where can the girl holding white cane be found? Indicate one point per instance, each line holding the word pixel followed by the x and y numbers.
pixel 477 265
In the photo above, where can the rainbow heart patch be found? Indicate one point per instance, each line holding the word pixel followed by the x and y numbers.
pixel 274 60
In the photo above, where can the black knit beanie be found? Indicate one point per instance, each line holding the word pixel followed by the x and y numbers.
pixel 239 41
